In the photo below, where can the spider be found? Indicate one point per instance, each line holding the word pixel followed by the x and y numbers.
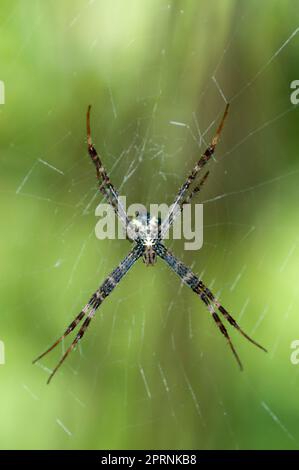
pixel 148 245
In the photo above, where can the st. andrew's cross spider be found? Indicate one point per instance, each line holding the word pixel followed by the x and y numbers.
pixel 148 244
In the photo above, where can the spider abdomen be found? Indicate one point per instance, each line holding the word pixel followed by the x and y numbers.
pixel 149 256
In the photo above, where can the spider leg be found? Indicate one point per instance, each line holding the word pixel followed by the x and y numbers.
pixel 69 329
pixel 96 300
pixel 205 157
pixel 106 187
pixel 221 327
pixel 195 190
pixel 73 344
pixel 228 317
pixel 192 281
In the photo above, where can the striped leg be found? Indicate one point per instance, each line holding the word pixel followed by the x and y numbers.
pixel 196 190
pixel 69 329
pixel 106 187
pixel 219 325
pixel 205 157
pixel 192 281
pixel 90 309
pixel 227 316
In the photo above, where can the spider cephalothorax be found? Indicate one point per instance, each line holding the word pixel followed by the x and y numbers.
pixel 147 234
pixel 144 229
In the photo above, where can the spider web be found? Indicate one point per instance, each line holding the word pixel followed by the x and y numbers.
pixel 152 370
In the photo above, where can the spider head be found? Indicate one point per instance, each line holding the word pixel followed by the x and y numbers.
pixel 145 229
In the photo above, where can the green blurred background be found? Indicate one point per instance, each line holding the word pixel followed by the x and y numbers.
pixel 152 370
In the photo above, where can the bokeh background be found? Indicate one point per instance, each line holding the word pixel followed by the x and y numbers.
pixel 152 371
